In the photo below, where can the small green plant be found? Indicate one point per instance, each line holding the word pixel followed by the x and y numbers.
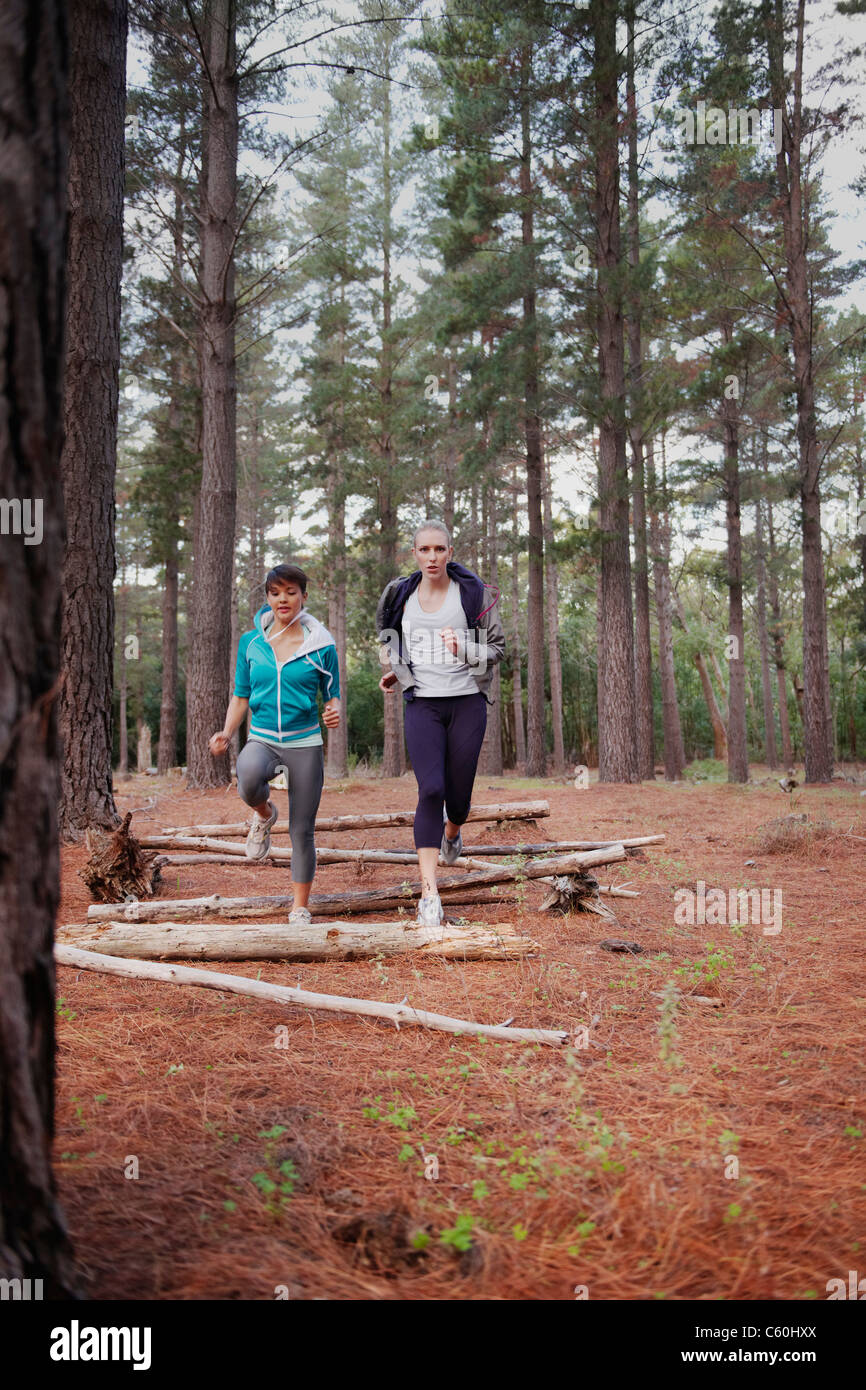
pixel 399 1115
pixel 668 1033
pixel 277 1181
pixel 64 1011
pixel 717 960
pixel 459 1236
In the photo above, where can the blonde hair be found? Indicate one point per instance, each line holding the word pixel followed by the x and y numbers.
pixel 432 525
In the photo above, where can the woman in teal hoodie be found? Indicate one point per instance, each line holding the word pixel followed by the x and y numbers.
pixel 283 663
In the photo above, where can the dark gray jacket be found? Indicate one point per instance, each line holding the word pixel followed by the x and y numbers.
pixel 481 651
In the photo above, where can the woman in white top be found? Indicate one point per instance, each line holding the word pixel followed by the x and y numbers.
pixel 443 640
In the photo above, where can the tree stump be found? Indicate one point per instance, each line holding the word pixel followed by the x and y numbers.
pixel 577 893
pixel 118 867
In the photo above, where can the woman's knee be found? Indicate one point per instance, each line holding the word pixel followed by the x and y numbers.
pixel 252 782
pixel 432 789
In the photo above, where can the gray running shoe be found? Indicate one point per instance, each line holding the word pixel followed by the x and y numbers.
pixel 300 916
pixel 429 912
pixel 259 838
pixel 451 850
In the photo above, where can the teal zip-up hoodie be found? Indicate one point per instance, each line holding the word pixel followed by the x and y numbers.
pixel 282 695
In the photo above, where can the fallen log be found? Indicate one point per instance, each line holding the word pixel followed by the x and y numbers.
pixel 357 900
pixel 556 846
pixel 284 994
pixel 506 810
pixel 462 862
pixel 317 940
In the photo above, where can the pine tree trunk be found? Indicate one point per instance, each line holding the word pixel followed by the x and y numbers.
pixel 674 753
pixel 234 741
pixel 491 751
pixel 123 731
pixel 617 747
pixel 554 660
pixel 536 755
pixel 451 451
pixel 761 601
pixel 644 734
pixel 166 756
pixel 210 635
pixel 393 763
pixel 97 106
pixel 738 753
pixel 793 204
pixel 776 630
pixel 33 213
pixel 167 749
pixel 338 739
pixel 516 643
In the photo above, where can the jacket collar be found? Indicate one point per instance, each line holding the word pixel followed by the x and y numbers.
pixel 316 635
pixel 471 593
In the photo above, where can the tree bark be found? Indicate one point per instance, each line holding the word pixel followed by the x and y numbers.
pixel 617 748
pixel 644 734
pixel 490 762
pixel 554 659
pixel 33 218
pixel 338 739
pixel 794 204
pixel 536 755
pixel 167 749
pixel 516 643
pixel 770 756
pixel 123 718
pixel 674 753
pixel 738 754
pixel 97 106
pixel 210 631
pixel 777 633
pixel 393 755
pixel 318 940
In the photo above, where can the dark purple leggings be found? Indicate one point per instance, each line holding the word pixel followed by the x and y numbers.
pixel 444 737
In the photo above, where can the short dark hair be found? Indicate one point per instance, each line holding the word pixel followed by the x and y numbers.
pixel 286 574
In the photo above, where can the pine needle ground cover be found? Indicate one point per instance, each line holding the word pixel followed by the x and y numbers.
pixel 212 1147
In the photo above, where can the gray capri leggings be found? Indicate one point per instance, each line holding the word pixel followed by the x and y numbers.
pixel 305 772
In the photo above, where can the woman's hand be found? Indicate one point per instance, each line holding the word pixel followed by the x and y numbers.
pixel 218 743
pixel 449 639
pixel 387 683
pixel 331 714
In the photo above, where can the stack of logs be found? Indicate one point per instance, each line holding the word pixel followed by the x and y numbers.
pixel 244 928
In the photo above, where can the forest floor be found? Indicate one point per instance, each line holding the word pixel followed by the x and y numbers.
pixel 696 1153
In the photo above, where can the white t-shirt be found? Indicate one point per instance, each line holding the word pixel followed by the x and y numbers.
pixel 437 672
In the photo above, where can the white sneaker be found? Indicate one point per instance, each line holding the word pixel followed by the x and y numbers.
pixel 259 838
pixel 300 917
pixel 430 912
pixel 451 850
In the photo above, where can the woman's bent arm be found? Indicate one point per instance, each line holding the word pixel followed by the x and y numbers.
pixel 235 713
